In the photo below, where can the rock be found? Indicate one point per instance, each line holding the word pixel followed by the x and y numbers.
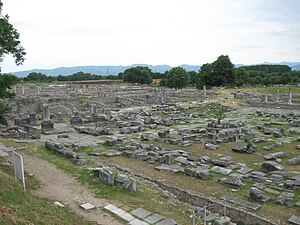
pixel 294 220
pixel 145 137
pixel 163 134
pixel 221 170
pixel 294 161
pixel 224 220
pixel 285 198
pixel 211 146
pixel 275 155
pixel 277 135
pixel 240 146
pixel 106 176
pixel 234 182
pixel 203 174
pixel 122 178
pixel 258 195
pixel 271 166
pixel 131 185
pixel 58 204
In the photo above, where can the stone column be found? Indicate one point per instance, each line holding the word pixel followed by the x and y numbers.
pixel 204 91
pixel 38 91
pixel 290 95
pixel 94 109
pixel 23 90
pixel 46 112
pixel 266 95
pixel 277 96
pixel 155 95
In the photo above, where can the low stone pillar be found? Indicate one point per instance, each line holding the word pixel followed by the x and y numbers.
pixel 32 119
pixel 47 124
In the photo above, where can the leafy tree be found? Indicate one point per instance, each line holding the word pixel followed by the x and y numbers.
pixel 218 73
pixel 177 78
pixel 9 41
pixel 217 111
pixel 241 77
pixel 223 71
pixel 194 77
pixel 138 74
pixel 9 44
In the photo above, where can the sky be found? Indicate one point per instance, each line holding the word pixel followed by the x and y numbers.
pixel 65 33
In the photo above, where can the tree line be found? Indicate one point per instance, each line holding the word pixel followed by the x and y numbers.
pixel 218 73
pixel 40 77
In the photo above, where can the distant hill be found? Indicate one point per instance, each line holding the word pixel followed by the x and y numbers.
pixel 296 67
pixel 114 70
pixel 99 70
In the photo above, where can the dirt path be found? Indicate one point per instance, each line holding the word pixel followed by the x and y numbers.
pixel 62 187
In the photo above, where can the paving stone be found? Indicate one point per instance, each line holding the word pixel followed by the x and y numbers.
pixel 166 221
pixel 127 216
pixel 138 222
pixel 154 218
pixel 114 209
pixel 111 207
pixel 87 206
pixel 141 213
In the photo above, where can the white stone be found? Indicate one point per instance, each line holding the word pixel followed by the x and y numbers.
pixel 58 204
pixel 87 206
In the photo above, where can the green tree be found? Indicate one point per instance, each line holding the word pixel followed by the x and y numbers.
pixel 241 77
pixel 9 44
pixel 177 78
pixel 194 77
pixel 217 111
pixel 9 40
pixel 138 74
pixel 218 73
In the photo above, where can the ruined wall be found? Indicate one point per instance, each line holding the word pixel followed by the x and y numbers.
pixel 236 214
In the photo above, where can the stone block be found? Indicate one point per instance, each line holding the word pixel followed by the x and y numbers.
pixel 141 213
pixel 154 218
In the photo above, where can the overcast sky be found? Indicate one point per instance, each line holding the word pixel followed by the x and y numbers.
pixel 67 33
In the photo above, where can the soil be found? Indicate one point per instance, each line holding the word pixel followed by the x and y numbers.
pixel 60 186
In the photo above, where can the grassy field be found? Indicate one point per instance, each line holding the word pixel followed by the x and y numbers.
pixel 19 208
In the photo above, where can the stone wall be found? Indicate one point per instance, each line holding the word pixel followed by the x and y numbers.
pixel 236 214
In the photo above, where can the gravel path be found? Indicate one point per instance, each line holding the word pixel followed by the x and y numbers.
pixel 62 187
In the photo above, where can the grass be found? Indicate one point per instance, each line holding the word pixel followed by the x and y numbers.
pixel 147 196
pixel 18 207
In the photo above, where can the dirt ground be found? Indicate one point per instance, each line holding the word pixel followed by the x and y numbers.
pixel 59 186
